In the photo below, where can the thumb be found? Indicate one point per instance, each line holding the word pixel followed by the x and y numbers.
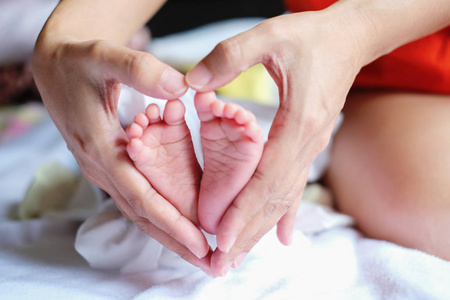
pixel 142 71
pixel 231 57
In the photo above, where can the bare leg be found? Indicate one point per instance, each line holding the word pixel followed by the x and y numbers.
pixel 232 144
pixel 162 150
pixel 390 168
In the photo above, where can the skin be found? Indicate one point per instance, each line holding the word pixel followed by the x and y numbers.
pixel 313 83
pixel 313 63
pixel 389 168
pixel 162 150
pixel 79 64
pixel 232 144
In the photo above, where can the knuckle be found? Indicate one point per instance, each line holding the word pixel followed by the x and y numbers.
pixel 256 238
pixel 85 149
pixel 278 205
pixel 96 48
pixel 286 205
pixel 270 27
pixel 258 176
pixel 141 201
pixel 267 189
pixel 137 63
pixel 275 29
pixel 269 208
pixel 134 199
pixel 183 254
pixel 122 211
pixel 242 210
pixel 229 50
pixel 143 226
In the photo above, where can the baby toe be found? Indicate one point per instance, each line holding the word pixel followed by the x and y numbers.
pixel 217 108
pixel 174 112
pixel 230 110
pixel 134 131
pixel 153 113
pixel 134 148
pixel 254 132
pixel 142 120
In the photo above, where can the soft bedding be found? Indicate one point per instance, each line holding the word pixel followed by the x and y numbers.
pixel 329 257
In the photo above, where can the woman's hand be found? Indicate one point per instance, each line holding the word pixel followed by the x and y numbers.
pixel 313 58
pixel 80 84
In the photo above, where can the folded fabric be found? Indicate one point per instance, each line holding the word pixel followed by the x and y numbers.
pixel 38 260
pixel 57 192
pixel 109 241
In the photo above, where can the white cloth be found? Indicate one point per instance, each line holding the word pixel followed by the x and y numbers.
pixel 109 241
pixel 38 259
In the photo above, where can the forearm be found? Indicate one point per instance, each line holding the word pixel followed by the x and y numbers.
pixel 113 20
pixel 385 25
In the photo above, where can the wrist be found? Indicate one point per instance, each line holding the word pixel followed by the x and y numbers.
pixel 382 26
pixel 111 20
pixel 357 30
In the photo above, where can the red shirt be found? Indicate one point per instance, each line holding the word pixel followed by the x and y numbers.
pixel 422 65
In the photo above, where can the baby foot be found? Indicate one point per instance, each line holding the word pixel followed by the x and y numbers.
pixel 162 151
pixel 232 144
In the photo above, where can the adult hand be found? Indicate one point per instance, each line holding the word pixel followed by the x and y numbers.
pixel 313 58
pixel 80 84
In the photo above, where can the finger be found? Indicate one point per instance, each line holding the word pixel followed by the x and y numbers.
pixel 162 237
pixel 229 58
pixel 260 224
pixel 282 171
pixel 141 70
pixel 143 224
pixel 143 199
pixel 260 206
pixel 285 226
pixel 253 233
pixel 148 204
pixel 267 188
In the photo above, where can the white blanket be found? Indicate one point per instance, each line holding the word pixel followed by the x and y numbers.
pixel 332 261
pixel 38 259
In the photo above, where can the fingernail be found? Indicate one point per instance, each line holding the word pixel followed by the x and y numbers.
pixel 227 243
pixel 206 271
pixel 238 261
pixel 199 76
pixel 173 82
pixel 195 252
pixel 224 271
